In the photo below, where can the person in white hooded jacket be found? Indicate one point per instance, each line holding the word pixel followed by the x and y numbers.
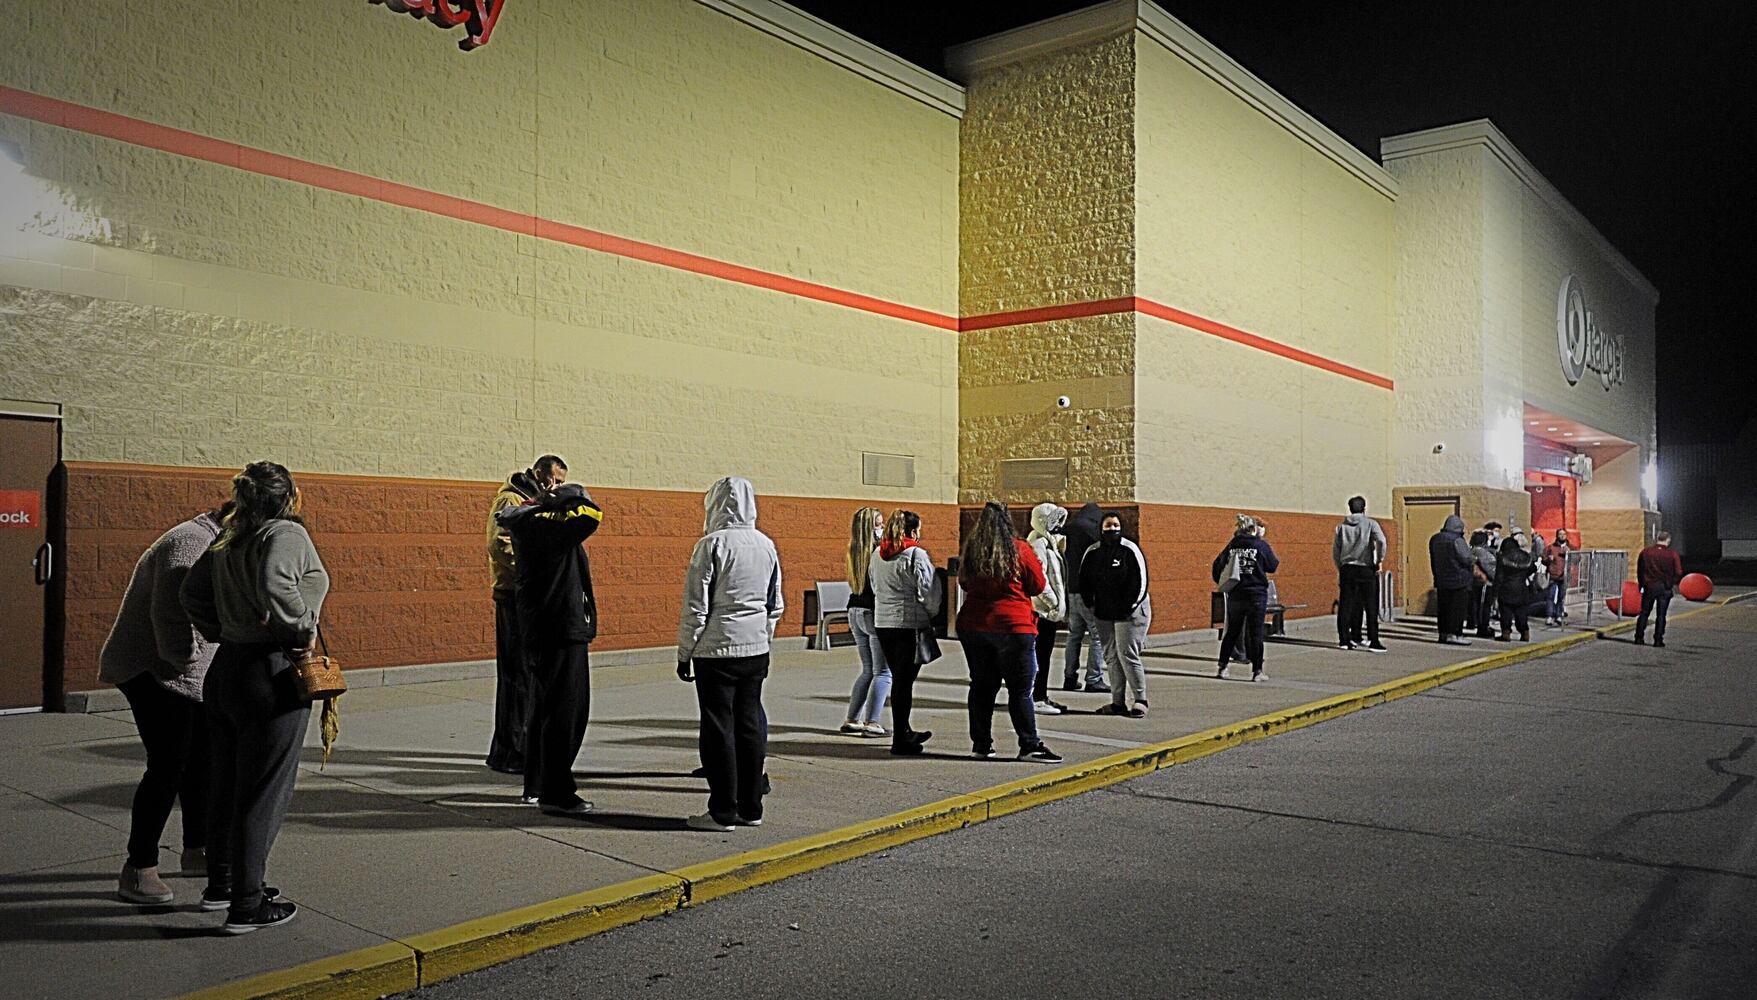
pixel 731 605
pixel 906 592
pixel 1051 605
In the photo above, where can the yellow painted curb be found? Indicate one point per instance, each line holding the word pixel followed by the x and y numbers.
pixel 501 937
pixel 433 957
pixel 366 974
pixel 722 876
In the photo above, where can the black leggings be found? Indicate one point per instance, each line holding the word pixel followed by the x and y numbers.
pixel 1046 631
pixel 899 647
pixel 174 731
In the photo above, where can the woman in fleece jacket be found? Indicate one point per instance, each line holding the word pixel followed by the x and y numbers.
pixel 731 605
pixel 906 592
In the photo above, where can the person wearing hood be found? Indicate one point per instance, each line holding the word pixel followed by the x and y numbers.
pixel 1051 605
pixel 731 605
pixel 1113 584
pixel 558 618
pixel 1245 563
pixel 1482 582
pixel 1081 533
pixel 906 593
pixel 157 659
pixel 1357 550
pixel 1450 560
pixel 1514 566
pixel 512 675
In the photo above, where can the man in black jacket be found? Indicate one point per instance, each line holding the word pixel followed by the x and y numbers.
pixel 1450 560
pixel 557 618
pixel 1082 532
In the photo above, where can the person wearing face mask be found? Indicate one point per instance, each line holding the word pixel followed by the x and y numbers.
pixel 1051 605
pixel 1113 583
pixel 512 675
pixel 867 701
pixel 1246 562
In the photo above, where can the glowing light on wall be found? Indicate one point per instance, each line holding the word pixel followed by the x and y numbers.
pixel 1505 445
pixel 1650 484
pixel 32 204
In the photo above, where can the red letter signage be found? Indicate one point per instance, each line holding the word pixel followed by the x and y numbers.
pixel 478 16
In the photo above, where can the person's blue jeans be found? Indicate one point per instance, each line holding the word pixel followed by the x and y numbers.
pixel 873 685
pixel 1558 594
pixel 1082 632
pixel 997 658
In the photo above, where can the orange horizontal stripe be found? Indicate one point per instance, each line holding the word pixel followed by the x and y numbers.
pixel 109 125
pixel 1045 314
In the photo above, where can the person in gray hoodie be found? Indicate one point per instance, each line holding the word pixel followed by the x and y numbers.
pixel 1357 550
pixel 1482 583
pixel 1450 560
pixel 157 659
pixel 906 593
pixel 257 591
pixel 731 605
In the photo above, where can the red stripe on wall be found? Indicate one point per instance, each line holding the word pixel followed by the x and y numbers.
pixel 109 125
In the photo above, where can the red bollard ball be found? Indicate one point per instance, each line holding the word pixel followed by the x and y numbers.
pixel 1696 587
pixel 1628 605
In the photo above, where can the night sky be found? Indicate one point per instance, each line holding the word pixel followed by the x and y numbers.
pixel 1641 115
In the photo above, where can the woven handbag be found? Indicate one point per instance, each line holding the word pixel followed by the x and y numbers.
pixel 318 677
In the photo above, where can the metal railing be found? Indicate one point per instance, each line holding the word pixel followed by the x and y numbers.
pixel 1387 598
pixel 1595 574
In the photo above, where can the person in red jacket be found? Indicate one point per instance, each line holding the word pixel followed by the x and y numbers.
pixel 1658 569
pixel 997 627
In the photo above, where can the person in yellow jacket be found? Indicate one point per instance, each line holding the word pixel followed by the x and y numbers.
pixel 506 748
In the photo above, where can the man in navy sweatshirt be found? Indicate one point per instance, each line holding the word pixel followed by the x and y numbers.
pixel 1246 585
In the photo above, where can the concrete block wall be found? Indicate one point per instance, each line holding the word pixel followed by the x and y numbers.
pixel 1046 217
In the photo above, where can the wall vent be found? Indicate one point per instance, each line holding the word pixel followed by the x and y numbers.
pixel 887 470
pixel 1042 475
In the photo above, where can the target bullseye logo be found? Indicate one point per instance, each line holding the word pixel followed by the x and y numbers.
pixel 1581 344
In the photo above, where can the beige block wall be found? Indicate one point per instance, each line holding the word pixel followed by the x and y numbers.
pixel 1046 211
pixel 190 313
pixel 1243 222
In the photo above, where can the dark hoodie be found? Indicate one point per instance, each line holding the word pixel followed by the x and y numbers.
pixel 552 573
pixel 1450 556
pixel 1513 568
pixel 519 487
pixel 1256 576
pixel 1113 579
pixel 1081 531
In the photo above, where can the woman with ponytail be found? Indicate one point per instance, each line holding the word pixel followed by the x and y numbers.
pixel 257 592
pixel 873 686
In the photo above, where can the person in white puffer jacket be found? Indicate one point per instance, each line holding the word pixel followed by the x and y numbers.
pixel 906 593
pixel 1051 605
pixel 731 605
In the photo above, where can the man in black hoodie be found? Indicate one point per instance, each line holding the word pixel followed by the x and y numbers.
pixel 558 616
pixel 1450 559
pixel 1082 531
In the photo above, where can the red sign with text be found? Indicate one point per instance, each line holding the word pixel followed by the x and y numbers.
pixel 21 509
pixel 479 16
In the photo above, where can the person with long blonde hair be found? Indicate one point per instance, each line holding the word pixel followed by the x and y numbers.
pixel 873 686
pixel 997 626
pixel 906 593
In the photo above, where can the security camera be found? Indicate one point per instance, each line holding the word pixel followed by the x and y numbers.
pixel 1440 448
pixel 1063 402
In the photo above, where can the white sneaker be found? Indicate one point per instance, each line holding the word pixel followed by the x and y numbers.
pixel 707 822
pixel 873 729
pixel 1047 708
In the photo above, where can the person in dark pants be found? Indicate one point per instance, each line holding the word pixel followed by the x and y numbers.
pixel 1482 583
pixel 512 674
pixel 1449 558
pixel 257 591
pixel 906 593
pixel 1080 533
pixel 1658 570
pixel 997 627
pixel 558 618
pixel 731 605
pixel 1357 549
pixel 1049 606
pixel 1514 566
pixel 157 659
pixel 1242 571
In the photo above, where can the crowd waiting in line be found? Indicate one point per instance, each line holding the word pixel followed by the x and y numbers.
pixel 222 606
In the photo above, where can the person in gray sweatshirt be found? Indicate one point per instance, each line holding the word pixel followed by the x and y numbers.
pixel 157 659
pixel 1357 550
pixel 906 593
pixel 731 605
pixel 257 591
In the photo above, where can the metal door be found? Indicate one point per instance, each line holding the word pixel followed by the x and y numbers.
pixel 30 449
pixel 1422 517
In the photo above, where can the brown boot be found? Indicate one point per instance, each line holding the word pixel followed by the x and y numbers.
pixel 143 885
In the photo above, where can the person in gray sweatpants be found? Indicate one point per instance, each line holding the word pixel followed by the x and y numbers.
pixel 1113 583
pixel 257 591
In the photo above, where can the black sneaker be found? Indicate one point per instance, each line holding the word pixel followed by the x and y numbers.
pixel 1640 641
pixel 272 913
pixel 983 753
pixel 1098 687
pixel 1071 683
pixel 1377 647
pixel 1659 644
pixel 906 750
pixel 1042 754
pixel 220 899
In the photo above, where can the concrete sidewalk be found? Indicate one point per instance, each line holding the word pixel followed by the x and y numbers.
pixel 406 832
